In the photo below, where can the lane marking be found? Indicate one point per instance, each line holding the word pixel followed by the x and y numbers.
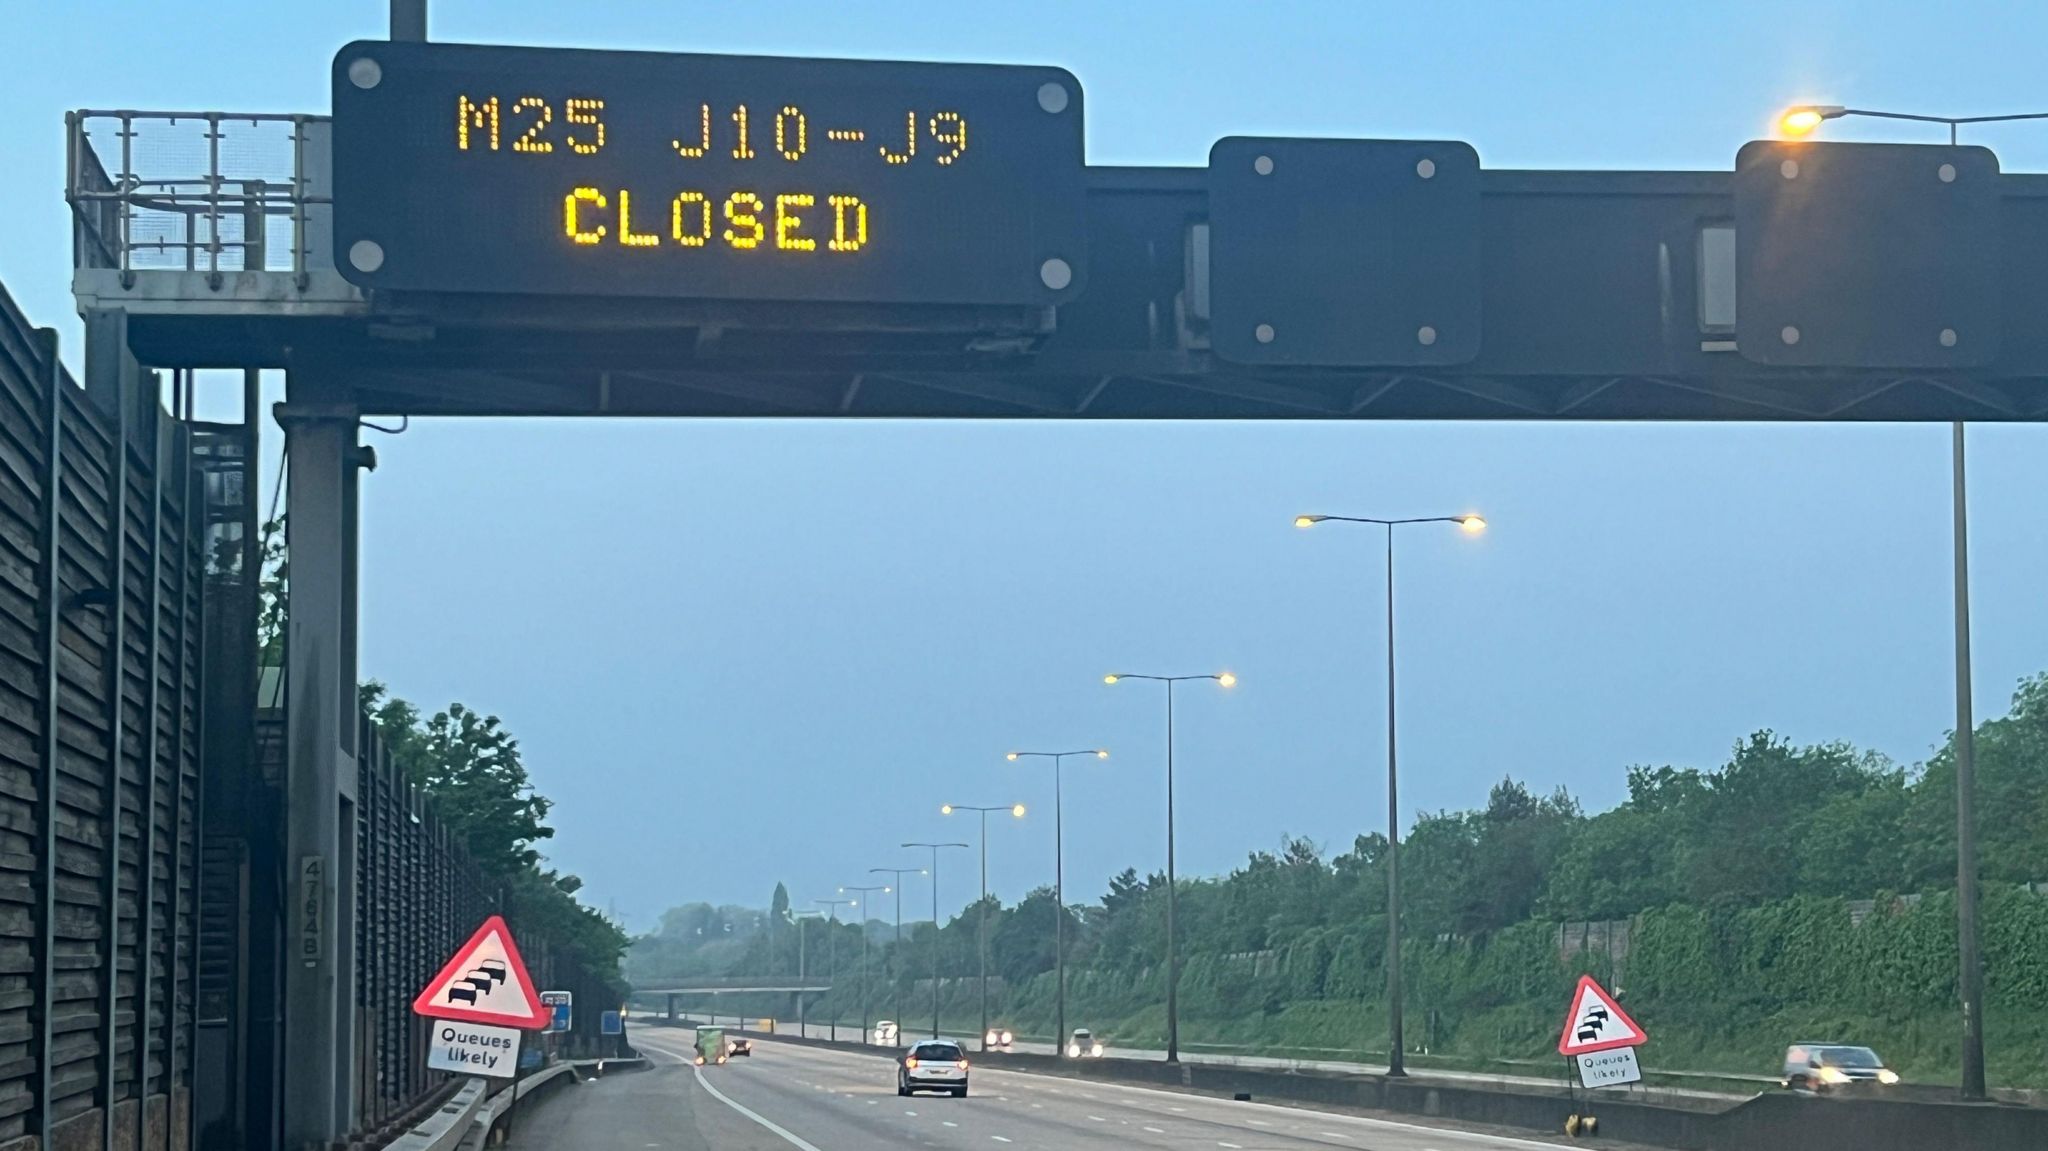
pixel 999 1139
pixel 1155 1130
pixel 912 1114
pixel 1098 1118
pixel 948 1123
pixel 1232 1146
pixel 1333 1134
pixel 789 1137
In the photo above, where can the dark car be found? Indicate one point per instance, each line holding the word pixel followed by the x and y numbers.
pixel 741 1047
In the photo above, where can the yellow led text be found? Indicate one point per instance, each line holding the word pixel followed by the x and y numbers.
pixel 482 117
pixel 752 221
pixel 570 203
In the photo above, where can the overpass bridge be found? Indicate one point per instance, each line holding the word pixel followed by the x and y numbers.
pixel 673 995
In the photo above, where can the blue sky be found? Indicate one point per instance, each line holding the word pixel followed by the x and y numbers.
pixel 806 636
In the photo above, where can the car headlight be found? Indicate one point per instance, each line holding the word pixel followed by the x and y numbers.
pixel 1073 1050
pixel 1833 1075
pixel 1096 1051
pixel 1887 1076
pixel 1008 1039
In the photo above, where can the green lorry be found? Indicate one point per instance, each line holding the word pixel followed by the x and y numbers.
pixel 710 1045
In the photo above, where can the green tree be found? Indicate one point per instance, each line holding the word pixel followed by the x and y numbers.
pixel 778 919
pixel 471 767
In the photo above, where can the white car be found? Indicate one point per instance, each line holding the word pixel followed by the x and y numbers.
pixel 885 1034
pixel 997 1039
pixel 1083 1044
pixel 933 1065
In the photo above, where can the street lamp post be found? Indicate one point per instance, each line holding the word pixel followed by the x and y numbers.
pixel 869 891
pixel 935 926
pixel 1172 943
pixel 896 875
pixel 803 1025
pixel 832 907
pixel 1470 523
pixel 1802 121
pixel 981 928
pixel 1059 890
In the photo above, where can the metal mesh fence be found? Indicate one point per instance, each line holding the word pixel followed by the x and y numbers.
pixel 206 192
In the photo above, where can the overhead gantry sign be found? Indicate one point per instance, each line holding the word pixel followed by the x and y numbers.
pixel 484 230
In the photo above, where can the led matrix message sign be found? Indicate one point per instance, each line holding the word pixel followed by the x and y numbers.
pixel 465 168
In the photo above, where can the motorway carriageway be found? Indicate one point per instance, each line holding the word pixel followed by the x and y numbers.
pixel 1643 1093
pixel 789 1098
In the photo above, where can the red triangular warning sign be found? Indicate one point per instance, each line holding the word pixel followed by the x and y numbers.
pixel 1596 1022
pixel 486 982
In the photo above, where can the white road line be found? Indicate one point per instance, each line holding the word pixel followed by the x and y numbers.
pixel 1333 1135
pixel 999 1139
pixel 948 1123
pixel 912 1114
pixel 1232 1146
pixel 789 1137
pixel 1098 1118
pixel 1156 1130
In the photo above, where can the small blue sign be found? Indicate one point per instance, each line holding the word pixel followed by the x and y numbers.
pixel 561 1010
pixel 611 1024
pixel 529 1058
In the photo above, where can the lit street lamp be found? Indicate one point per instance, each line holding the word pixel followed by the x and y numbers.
pixel 832 907
pixel 896 874
pixel 935 926
pixel 1172 944
pixel 1472 524
pixel 869 891
pixel 1017 810
pixel 1802 121
pixel 1059 891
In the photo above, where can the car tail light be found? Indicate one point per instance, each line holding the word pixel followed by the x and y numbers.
pixel 700 1061
pixel 963 1065
pixel 911 1063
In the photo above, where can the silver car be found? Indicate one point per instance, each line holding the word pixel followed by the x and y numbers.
pixel 1825 1068
pixel 933 1065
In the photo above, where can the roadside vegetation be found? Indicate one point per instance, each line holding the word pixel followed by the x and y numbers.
pixel 1790 893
